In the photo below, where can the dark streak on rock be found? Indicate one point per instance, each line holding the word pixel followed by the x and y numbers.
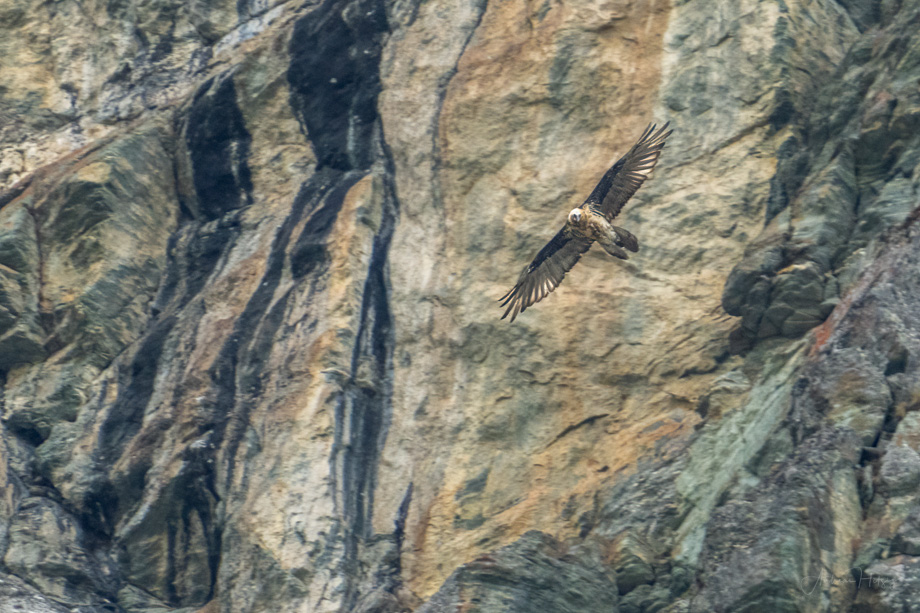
pixel 309 251
pixel 218 144
pixel 793 164
pixel 335 81
pixel 399 527
pixel 585 422
pixel 236 374
pixel 136 383
pixel 194 252
pixel 196 491
pixel 102 502
pixel 335 78
pixel 363 414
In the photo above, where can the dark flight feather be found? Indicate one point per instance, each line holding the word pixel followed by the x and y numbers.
pixel 546 272
pixel 629 173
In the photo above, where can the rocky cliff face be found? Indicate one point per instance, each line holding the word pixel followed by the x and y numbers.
pixel 251 354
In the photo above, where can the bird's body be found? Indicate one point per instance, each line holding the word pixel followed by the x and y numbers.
pixel 589 223
pixel 593 226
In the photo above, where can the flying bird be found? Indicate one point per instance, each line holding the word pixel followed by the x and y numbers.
pixel 589 223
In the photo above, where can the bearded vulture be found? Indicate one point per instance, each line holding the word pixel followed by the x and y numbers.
pixel 588 223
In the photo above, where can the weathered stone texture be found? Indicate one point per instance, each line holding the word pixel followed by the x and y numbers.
pixel 251 356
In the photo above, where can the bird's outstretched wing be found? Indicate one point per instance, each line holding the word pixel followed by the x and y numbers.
pixel 545 273
pixel 627 175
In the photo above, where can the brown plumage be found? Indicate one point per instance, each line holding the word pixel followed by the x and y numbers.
pixel 589 223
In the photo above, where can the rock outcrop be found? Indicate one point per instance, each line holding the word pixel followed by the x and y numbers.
pixel 251 355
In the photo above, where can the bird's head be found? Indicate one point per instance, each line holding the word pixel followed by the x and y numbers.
pixel 575 216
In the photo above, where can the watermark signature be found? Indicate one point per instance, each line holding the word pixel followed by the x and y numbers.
pixel 857 577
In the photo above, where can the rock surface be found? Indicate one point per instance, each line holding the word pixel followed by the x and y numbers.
pixel 251 355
